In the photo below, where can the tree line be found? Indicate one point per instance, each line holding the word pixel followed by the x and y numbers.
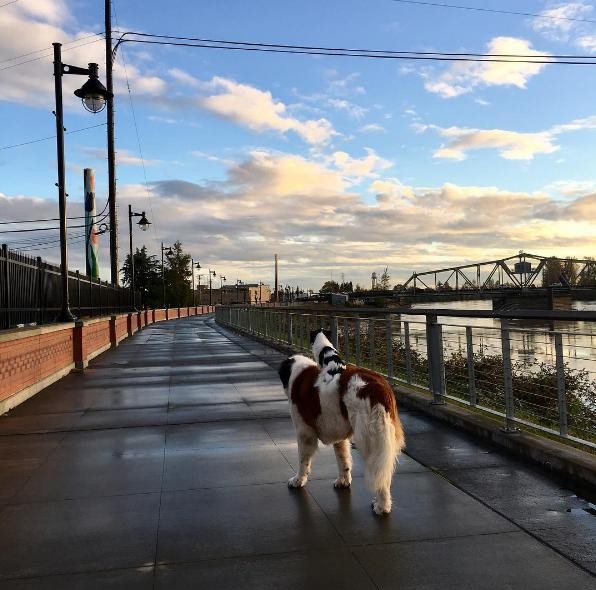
pixel 148 277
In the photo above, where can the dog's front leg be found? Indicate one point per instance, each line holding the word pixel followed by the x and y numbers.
pixel 307 447
pixel 343 455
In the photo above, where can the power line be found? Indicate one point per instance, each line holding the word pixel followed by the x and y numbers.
pixel 8 3
pixel 18 231
pixel 494 10
pixel 16 145
pixel 52 218
pixel 49 49
pixel 365 53
pixel 46 56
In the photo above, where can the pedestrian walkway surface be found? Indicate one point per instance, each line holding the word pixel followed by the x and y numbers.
pixel 165 464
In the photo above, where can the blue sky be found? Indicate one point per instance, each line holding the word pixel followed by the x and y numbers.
pixel 339 165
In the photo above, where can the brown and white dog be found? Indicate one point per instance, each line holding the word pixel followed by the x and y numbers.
pixel 334 402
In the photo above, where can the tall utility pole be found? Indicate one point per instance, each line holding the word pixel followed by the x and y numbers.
pixel 111 149
pixel 275 298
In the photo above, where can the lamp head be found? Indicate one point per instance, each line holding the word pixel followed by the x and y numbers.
pixel 93 93
pixel 143 223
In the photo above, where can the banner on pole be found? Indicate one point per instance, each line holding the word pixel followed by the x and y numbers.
pixel 91 240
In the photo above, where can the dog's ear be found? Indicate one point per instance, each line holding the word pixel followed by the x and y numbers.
pixel 313 335
pixel 285 371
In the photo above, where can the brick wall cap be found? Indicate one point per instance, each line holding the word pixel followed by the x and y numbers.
pixel 32 331
pixel 89 321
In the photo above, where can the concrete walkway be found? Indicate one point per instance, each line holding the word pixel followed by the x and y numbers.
pixel 164 465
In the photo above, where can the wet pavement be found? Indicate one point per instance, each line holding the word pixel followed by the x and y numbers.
pixel 165 464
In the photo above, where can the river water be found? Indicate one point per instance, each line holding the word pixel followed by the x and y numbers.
pixel 532 342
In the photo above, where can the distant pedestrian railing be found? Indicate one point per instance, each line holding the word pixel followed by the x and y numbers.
pixel 542 378
pixel 31 292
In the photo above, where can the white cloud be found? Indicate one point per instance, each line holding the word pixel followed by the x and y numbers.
pixel 372 128
pixel 257 110
pixel 558 22
pixel 360 168
pixel 511 145
pixel 29 25
pixel 462 78
pixel 587 43
pixel 354 110
pixel 123 157
pixel 306 211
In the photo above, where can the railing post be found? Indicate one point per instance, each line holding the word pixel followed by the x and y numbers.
pixel 79 293
pixel 346 351
pixel 357 341
pixel 471 375
pixel 436 370
pixel 507 378
pixel 561 384
pixel 290 328
pixel 6 282
pixel 39 273
pixel 389 345
pixel 408 352
pixel 371 343
pixel 334 330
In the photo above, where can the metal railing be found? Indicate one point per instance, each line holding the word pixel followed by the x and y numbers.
pixel 31 292
pixel 527 375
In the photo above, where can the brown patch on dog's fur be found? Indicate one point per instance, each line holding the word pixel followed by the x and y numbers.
pixel 305 395
pixel 376 389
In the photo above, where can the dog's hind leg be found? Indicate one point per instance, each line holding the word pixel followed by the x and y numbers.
pixel 343 455
pixel 307 447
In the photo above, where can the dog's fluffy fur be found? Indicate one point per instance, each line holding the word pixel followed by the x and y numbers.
pixel 334 402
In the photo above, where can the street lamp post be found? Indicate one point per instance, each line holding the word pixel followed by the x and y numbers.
pixel 163 277
pixel 211 274
pixel 198 267
pixel 192 270
pixel 222 280
pixel 238 282
pixel 94 96
pixel 143 223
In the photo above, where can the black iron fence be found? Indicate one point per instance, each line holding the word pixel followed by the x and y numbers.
pixel 31 292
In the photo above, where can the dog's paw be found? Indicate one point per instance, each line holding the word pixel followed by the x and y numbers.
pixel 296 482
pixel 345 481
pixel 379 508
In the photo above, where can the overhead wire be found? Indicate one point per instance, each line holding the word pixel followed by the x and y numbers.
pixel 16 145
pixel 494 10
pixel 34 229
pixel 362 53
pixel 49 54
pixel 52 218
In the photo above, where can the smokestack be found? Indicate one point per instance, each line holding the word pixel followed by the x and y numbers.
pixel 276 293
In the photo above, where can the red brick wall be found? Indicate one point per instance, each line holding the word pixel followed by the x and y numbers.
pixel 28 357
pixel 26 361
pixel 96 336
pixel 121 327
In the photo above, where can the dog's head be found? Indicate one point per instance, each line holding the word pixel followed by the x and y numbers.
pixel 292 366
pixel 320 340
pixel 315 333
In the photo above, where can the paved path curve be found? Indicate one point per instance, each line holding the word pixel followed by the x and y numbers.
pixel 164 465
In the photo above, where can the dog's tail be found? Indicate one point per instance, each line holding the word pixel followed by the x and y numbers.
pixel 382 447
